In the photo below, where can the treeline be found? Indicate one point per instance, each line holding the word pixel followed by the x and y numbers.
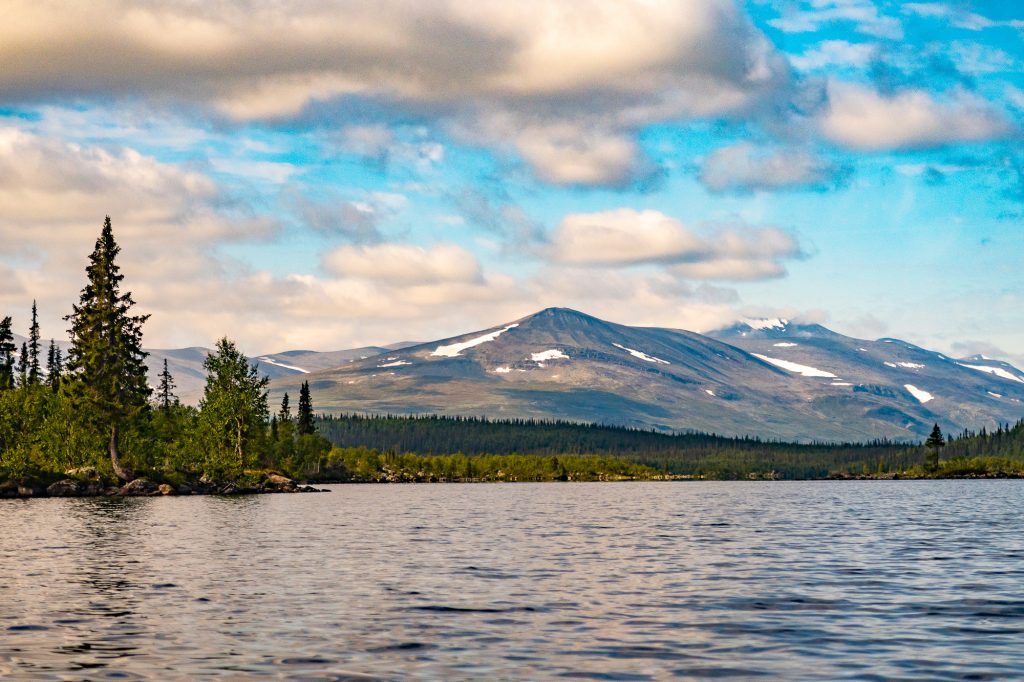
pixel 366 465
pixel 691 454
pixel 95 408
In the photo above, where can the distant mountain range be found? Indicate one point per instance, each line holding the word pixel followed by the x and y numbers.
pixel 768 378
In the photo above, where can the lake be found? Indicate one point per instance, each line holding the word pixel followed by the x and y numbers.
pixel 614 581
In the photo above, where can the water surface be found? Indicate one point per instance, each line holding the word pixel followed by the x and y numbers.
pixel 630 581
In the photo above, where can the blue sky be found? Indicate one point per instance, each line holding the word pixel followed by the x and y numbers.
pixel 325 175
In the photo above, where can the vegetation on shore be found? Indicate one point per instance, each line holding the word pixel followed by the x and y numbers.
pixel 688 455
pixel 95 412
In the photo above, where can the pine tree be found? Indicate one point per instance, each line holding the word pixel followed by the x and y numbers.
pixel 934 443
pixel 106 363
pixel 34 369
pixel 54 366
pixel 7 349
pixel 165 391
pixel 23 366
pixel 306 424
pixel 285 413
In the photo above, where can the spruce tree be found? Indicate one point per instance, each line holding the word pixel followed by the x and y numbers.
pixel 934 443
pixel 106 363
pixel 285 413
pixel 54 366
pixel 165 391
pixel 306 424
pixel 34 369
pixel 23 366
pixel 7 349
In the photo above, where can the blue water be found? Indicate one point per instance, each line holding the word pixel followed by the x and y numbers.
pixel 619 581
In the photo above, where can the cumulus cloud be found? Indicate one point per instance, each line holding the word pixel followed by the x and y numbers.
pixel 629 237
pixel 744 168
pixel 591 73
pixel 861 118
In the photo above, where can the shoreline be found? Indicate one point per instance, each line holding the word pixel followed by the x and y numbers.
pixel 143 487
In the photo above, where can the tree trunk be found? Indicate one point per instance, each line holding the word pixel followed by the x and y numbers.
pixel 238 444
pixel 115 457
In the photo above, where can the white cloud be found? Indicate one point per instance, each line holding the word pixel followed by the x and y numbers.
pixel 591 73
pixel 627 237
pixel 830 53
pixel 744 168
pixel 863 14
pixel 406 264
pixel 861 118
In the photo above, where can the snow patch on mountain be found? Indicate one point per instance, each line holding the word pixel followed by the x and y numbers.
pixel 275 363
pixel 456 349
pixel 784 344
pixel 397 363
pixel 922 395
pixel 502 370
pixel 553 354
pixel 771 323
pixel 997 371
pixel 803 370
pixel 908 365
pixel 642 356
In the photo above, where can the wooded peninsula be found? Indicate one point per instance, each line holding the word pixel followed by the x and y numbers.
pixel 90 424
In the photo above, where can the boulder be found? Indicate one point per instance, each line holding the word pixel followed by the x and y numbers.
pixel 140 486
pixel 8 489
pixel 64 488
pixel 88 473
pixel 29 487
pixel 184 490
pixel 276 483
pixel 165 489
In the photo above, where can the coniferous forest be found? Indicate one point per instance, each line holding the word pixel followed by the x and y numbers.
pixel 89 423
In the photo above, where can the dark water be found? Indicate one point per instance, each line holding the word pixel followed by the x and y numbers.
pixel 819 580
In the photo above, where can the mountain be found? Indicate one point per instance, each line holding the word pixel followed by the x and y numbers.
pixel 768 378
pixel 186 364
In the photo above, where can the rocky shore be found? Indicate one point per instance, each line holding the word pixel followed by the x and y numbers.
pixel 87 482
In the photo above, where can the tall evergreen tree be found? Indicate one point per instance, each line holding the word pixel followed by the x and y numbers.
pixel 54 366
pixel 165 391
pixel 285 413
pixel 34 368
pixel 7 350
pixel 934 443
pixel 106 363
pixel 23 366
pixel 305 421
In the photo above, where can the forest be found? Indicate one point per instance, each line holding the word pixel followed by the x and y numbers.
pixel 694 455
pixel 94 411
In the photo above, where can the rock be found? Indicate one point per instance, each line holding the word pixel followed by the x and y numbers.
pixel 89 473
pixel 184 490
pixel 8 489
pixel 166 489
pixel 276 483
pixel 64 488
pixel 29 487
pixel 229 489
pixel 140 486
